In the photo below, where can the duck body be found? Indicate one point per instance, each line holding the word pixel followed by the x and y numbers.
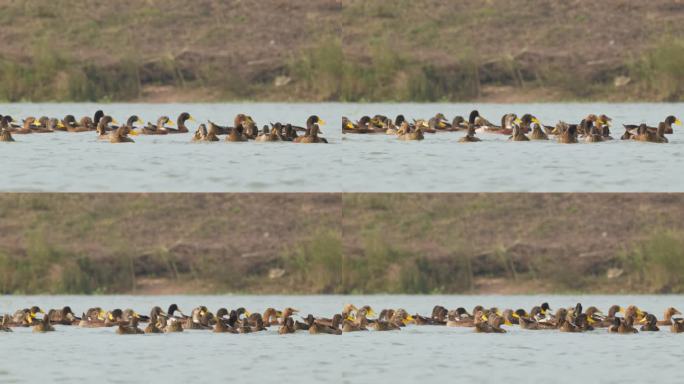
pixel 43 326
pixel 518 135
pixel 180 124
pixel 6 136
pixel 130 328
pixel 537 133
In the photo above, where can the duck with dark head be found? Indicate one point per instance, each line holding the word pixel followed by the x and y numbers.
pixel 180 122
pixel 5 130
pixel 312 131
pixel 64 316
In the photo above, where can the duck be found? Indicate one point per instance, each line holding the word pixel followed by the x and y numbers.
pixel 356 324
pixel 470 136
pixel 650 324
pixel 347 125
pixel 537 133
pixel 565 325
pixel 244 326
pixel 222 325
pixel 26 317
pixel 200 134
pixel 480 122
pixel 392 128
pixel 647 135
pixel 677 326
pixel 44 325
pixel 317 329
pixel 130 327
pixel 121 135
pixel 220 130
pixel 11 123
pixel 491 324
pixel 288 327
pixel 236 135
pixel 583 324
pixel 458 123
pixel 26 128
pixel 660 134
pixel 212 134
pixel 288 133
pixel 268 135
pixel 621 326
pixel 4 324
pixel 64 316
pixel 131 122
pixel 171 325
pixel 461 318
pixel 313 124
pixel 113 317
pixel 180 123
pixel 363 126
pixel 439 315
pixel 84 125
pixel 43 125
pixel 93 318
pixel 628 135
pixel 526 321
pixel 271 317
pixel 593 136
pixel 667 316
pixel 518 134
pixel 668 123
pixel 103 126
pixel 251 131
pixel 594 316
pixel 383 326
pixel 240 120
pixel 5 131
pixel 439 123
pixel 608 320
pixel 198 319
pixel 158 129
pixel 566 134
pixel 406 134
pixel 154 326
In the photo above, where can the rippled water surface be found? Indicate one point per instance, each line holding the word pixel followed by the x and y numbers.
pixel 171 163
pixel 440 164
pixel 353 163
pixel 415 354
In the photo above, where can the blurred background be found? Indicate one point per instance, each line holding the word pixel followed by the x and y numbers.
pixel 350 50
pixel 333 243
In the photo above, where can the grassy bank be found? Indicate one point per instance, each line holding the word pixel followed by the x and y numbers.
pixel 341 244
pixel 355 50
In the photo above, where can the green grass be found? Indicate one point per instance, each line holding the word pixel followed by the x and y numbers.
pixel 657 264
pixel 660 72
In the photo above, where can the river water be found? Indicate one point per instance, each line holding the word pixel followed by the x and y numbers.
pixel 415 354
pixel 64 162
pixel 376 163
pixel 77 162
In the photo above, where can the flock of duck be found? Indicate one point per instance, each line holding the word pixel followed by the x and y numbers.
pixel 107 128
pixel 350 319
pixel 592 129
